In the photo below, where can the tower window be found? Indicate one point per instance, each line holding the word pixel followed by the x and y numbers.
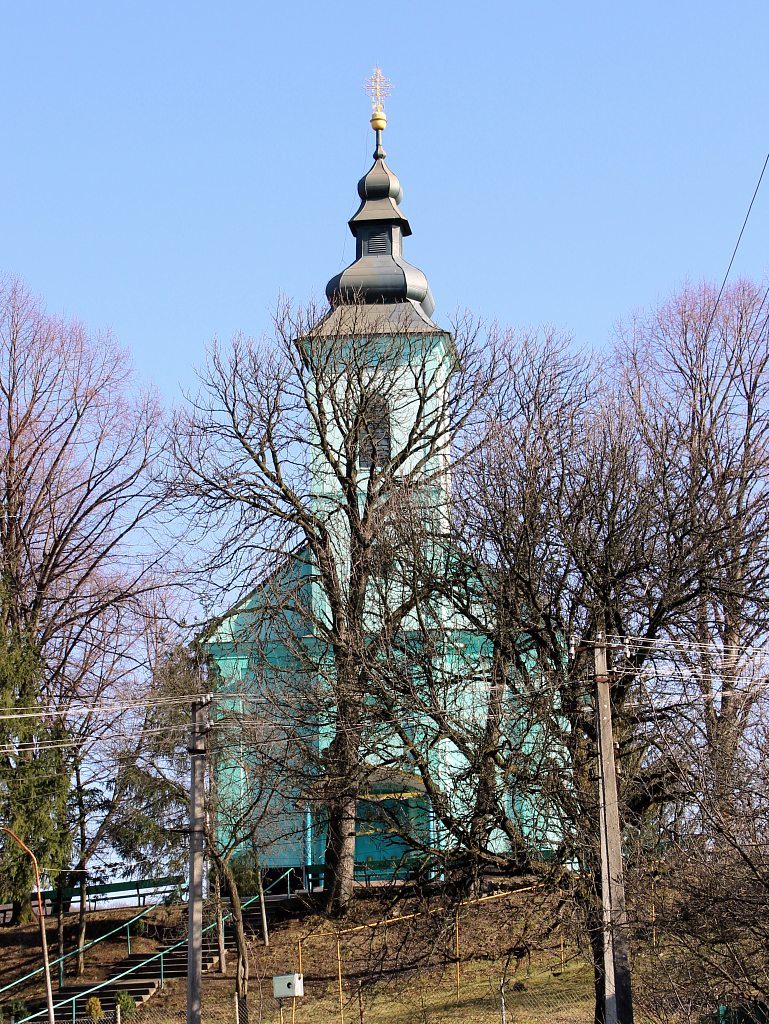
pixel 375 433
pixel 378 243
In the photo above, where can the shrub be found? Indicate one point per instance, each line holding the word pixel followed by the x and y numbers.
pixel 246 874
pixel 93 1009
pixel 18 1009
pixel 127 1004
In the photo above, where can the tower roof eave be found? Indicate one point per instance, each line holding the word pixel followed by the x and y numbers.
pixel 407 317
pixel 385 278
pixel 384 210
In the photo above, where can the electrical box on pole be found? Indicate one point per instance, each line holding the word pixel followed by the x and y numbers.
pixel 285 986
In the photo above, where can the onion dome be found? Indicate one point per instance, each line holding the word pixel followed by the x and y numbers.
pixel 380 274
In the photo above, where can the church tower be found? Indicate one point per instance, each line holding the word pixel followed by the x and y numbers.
pixel 391 360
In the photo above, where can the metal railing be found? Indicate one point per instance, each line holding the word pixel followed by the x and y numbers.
pixel 59 962
pixel 72 1000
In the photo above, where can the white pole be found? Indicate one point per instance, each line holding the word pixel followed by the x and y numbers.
pixel 618 997
pixel 197 751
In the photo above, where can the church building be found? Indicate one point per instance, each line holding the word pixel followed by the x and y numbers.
pixel 319 658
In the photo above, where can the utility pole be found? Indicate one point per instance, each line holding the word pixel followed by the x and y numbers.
pixel 197 751
pixel 618 1000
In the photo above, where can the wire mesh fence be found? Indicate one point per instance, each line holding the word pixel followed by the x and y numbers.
pixel 107 1018
pixel 509 956
pixel 481 962
pixel 431 997
pixel 421 960
pixel 425 996
pixel 213 1012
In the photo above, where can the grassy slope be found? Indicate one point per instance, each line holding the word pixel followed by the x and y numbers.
pixel 404 971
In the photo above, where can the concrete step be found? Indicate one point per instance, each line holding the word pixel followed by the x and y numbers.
pixel 177 956
pixel 141 985
pixel 140 991
pixel 152 970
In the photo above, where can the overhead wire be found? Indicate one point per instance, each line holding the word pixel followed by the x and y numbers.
pixel 224 727
pixel 664 646
pixel 669 672
pixel 146 702
pixel 684 644
pixel 736 247
pixel 82 741
pixel 112 707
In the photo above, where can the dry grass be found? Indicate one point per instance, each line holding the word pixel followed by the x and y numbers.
pixel 427 996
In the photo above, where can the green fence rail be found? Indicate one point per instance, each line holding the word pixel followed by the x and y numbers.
pixel 113 890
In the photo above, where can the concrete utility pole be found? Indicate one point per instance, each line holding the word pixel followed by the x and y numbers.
pixel 618 1000
pixel 197 751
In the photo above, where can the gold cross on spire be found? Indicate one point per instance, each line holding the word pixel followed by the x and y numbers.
pixel 378 87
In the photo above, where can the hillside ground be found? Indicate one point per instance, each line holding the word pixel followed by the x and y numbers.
pixel 398 971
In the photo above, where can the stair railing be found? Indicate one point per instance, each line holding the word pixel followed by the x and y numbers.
pixel 59 962
pixel 155 956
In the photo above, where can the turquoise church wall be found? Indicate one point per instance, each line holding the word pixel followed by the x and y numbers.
pixel 251 656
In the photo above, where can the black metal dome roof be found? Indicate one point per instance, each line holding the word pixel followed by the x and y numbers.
pixel 380 274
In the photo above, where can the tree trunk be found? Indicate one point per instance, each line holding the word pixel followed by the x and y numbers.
pixel 241 972
pixel 595 937
pixel 21 912
pixel 343 782
pixel 339 866
pixel 216 885
pixel 60 881
pixel 262 904
pixel 487 786
pixel 589 902
pixel 81 923
pixel 82 876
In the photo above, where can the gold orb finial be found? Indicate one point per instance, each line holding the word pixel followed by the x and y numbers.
pixel 377 86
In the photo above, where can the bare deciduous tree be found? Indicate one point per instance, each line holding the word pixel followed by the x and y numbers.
pixel 628 503
pixel 297 452
pixel 75 508
pixel 699 376
pixel 449 633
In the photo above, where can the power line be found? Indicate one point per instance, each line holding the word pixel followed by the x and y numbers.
pixel 736 247
pixel 115 707
pixel 660 643
pixel 82 741
pixel 663 646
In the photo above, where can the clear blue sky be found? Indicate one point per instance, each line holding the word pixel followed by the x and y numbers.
pixel 169 168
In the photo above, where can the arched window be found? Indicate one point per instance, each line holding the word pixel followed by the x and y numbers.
pixel 375 433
